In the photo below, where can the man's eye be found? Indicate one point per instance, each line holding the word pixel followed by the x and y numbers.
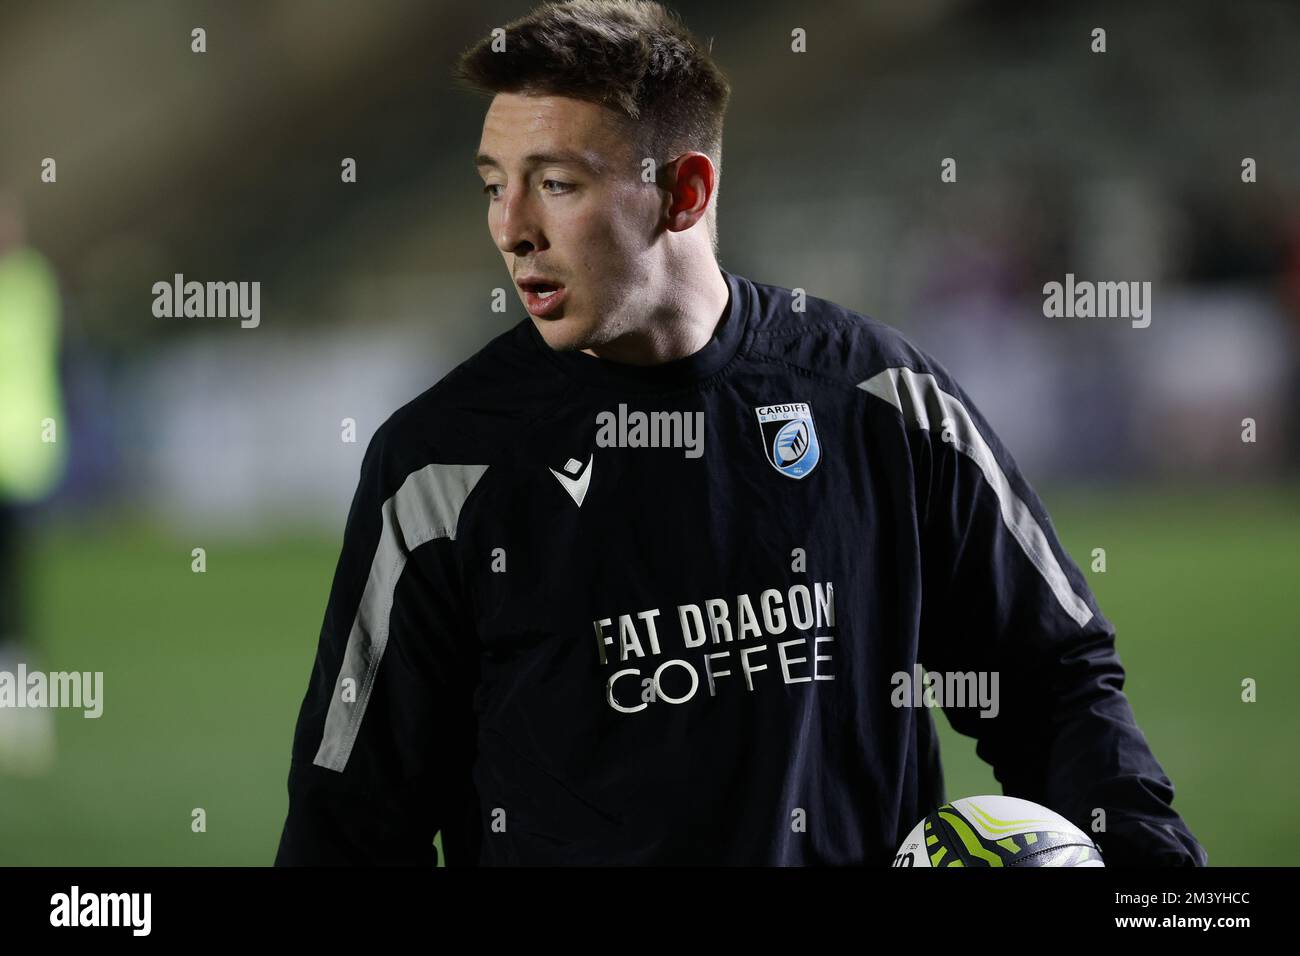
pixel 489 187
pixel 562 187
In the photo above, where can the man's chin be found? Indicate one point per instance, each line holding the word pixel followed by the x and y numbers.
pixel 562 334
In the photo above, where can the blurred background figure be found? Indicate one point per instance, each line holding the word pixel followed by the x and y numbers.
pixel 31 461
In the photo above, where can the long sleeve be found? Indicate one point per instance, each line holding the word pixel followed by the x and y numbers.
pixel 1001 595
pixel 381 752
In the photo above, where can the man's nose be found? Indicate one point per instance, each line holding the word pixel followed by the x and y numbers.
pixel 517 229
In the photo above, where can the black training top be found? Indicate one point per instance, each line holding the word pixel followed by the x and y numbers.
pixel 587 612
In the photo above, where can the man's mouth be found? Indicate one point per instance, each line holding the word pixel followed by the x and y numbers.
pixel 543 296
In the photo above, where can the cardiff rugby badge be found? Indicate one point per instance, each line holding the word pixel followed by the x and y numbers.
pixel 789 438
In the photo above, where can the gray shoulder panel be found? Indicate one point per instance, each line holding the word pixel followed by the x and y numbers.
pixel 921 401
pixel 427 506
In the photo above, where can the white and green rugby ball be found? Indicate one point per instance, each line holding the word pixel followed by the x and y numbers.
pixel 996 831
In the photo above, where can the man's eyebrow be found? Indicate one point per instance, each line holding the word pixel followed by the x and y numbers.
pixel 588 161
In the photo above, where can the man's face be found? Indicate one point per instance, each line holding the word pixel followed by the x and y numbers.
pixel 567 207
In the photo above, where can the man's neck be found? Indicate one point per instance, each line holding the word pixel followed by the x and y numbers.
pixel 681 326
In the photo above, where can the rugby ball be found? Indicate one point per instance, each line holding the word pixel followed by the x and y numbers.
pixel 996 831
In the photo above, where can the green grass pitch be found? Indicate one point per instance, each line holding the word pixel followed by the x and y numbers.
pixel 204 674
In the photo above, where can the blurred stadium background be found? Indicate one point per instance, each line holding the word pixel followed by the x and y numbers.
pixel 225 165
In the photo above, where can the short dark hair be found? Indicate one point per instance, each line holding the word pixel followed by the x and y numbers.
pixel 632 56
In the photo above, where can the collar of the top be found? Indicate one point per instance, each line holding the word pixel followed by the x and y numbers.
pixel 679 373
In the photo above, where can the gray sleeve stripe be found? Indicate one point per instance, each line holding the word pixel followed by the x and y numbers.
pixel 427 506
pixel 922 402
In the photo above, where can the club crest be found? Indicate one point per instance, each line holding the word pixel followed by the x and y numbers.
pixel 789 438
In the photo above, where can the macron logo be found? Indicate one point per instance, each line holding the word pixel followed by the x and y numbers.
pixel 574 483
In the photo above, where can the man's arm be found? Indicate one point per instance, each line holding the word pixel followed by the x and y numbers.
pixel 383 743
pixel 1001 595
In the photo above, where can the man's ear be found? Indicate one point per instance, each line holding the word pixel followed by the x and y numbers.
pixel 689 180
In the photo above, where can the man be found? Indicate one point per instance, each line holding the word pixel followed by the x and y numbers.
pixel 31 463
pixel 631 585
